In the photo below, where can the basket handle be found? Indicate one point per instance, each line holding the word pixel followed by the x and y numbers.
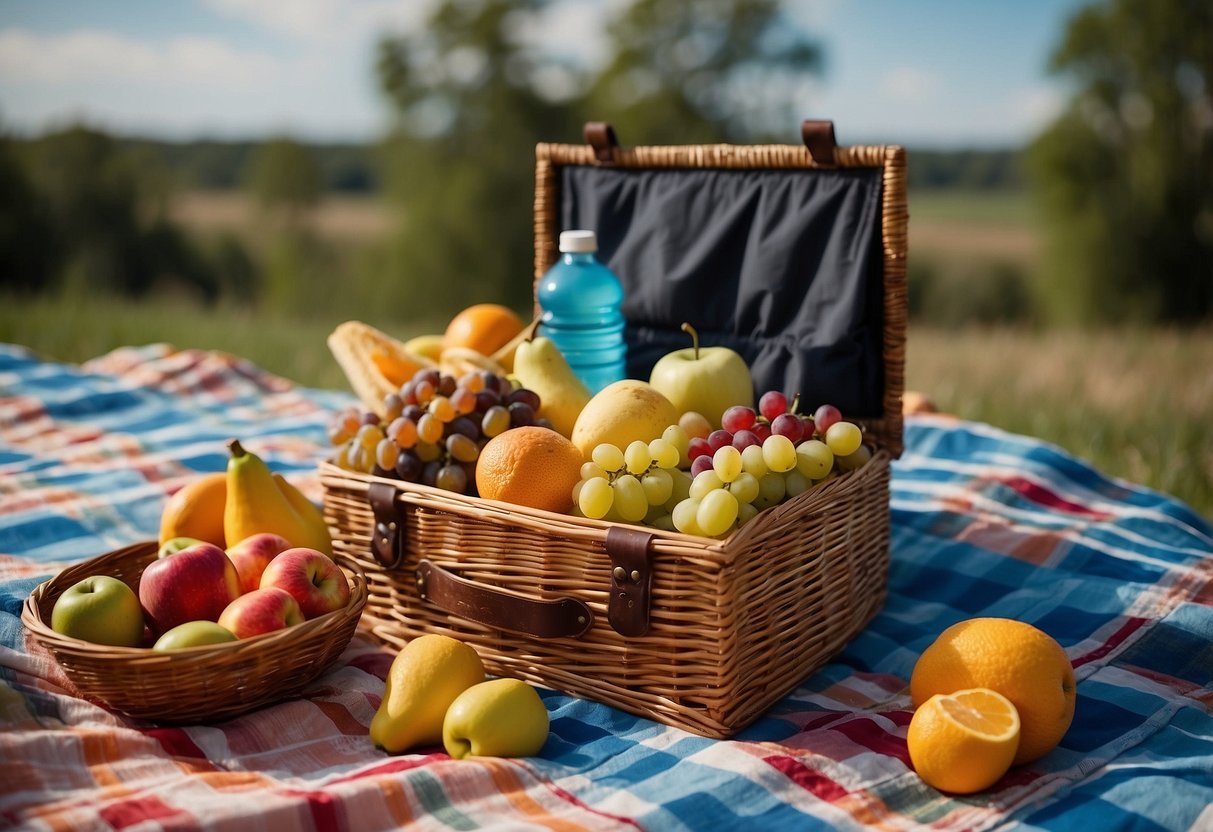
pixel 818 136
pixel 557 618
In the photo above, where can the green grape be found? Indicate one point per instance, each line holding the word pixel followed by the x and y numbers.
pixel 717 512
pixel 680 489
pixel 451 477
pixel 608 457
pixel 658 485
pixel 726 462
pixel 430 428
pixel 745 513
pixel 663 521
pixel 358 457
pixel 753 462
pixel 779 453
pixel 386 453
pixel 369 436
pixel 595 498
pixel 441 407
pixel 795 483
pixel 590 470
pixel 462 448
pixel 427 451
pixel 392 406
pixel 844 438
pixel 664 452
pixel 814 459
pixel 745 487
pixel 858 459
pixel 637 457
pixel 463 400
pixel 630 500
pixel 771 490
pixel 685 516
pixel 677 437
pixel 704 482
pixel 495 420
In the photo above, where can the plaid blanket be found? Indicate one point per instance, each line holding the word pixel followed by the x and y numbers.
pixel 984 523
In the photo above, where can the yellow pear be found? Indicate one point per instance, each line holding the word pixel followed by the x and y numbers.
pixel 259 500
pixel 426 676
pixel 539 365
pixel 621 413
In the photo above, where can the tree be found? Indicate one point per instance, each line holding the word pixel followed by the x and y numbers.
pixel 284 176
pixel 1125 174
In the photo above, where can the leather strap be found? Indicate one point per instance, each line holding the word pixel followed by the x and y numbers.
pixel 601 136
pixel 631 580
pixel 558 618
pixel 387 538
pixel 818 137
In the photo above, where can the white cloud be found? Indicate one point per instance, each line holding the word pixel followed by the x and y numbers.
pixel 1035 107
pixel 910 84
pixel 93 56
pixel 349 21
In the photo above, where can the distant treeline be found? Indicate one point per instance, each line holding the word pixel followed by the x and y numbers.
pixel 355 168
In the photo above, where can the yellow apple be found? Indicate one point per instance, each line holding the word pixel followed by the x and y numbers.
pixel 706 380
pixel 194 634
pixel 497 718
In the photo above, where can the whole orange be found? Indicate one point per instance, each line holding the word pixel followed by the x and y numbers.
pixel 484 327
pixel 530 466
pixel 1021 662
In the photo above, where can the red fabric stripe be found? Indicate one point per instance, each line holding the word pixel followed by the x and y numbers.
pixel 1045 497
pixel 1117 638
pixel 136 810
pixel 175 742
pixel 870 735
pixel 808 779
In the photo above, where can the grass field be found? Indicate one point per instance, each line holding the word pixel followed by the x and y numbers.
pixel 1136 404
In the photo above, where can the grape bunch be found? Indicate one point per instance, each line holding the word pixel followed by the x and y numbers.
pixel 758 458
pixel 639 483
pixel 433 428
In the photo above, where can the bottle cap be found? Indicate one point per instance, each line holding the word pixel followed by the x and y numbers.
pixel 576 242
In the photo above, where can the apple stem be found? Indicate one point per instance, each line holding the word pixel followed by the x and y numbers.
pixel 694 337
pixel 532 329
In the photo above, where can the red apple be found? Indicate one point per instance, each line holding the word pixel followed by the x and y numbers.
pixel 261 611
pixel 251 555
pixel 195 584
pixel 311 577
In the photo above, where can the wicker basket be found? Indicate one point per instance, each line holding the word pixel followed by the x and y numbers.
pixel 697 633
pixel 197 684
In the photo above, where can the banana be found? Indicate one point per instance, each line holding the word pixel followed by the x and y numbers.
pixel 375 363
pixel 426 346
pixel 259 500
pixel 456 361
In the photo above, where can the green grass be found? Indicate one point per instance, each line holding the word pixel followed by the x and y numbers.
pixel 995 207
pixel 1135 404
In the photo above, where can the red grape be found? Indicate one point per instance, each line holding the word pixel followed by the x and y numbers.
pixel 772 404
pixel 738 418
pixel 700 464
pixel 719 438
pixel 786 424
pixel 745 438
pixel 763 431
pixel 825 416
pixel 698 447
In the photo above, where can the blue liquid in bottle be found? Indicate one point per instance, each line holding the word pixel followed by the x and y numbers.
pixel 580 302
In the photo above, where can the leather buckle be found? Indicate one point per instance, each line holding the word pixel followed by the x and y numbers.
pixel 387 537
pixel 631 580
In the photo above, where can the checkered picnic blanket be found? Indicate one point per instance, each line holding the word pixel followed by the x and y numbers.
pixel 984 523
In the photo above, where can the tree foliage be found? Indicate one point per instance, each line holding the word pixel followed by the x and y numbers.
pixel 472 99
pixel 1126 172
pixel 284 176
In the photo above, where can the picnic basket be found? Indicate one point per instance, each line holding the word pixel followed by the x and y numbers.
pixel 197 684
pixel 698 633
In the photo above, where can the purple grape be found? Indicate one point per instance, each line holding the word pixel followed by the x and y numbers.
pixel 744 439
pixel 700 464
pixel 786 424
pixel 719 438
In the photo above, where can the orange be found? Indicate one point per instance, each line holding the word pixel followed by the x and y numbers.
pixel 398 367
pixel 530 466
pixel 1016 659
pixel 484 327
pixel 963 742
pixel 196 510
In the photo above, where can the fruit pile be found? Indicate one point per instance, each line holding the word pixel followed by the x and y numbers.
pixel 241 553
pixel 433 429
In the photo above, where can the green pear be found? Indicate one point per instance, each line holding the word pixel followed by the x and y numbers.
pixel 497 718
pixel 425 678
pixel 540 366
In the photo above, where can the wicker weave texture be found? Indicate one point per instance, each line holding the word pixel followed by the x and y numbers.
pixel 734 624
pixel 192 685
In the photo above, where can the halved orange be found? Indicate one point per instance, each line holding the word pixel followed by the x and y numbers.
pixel 963 742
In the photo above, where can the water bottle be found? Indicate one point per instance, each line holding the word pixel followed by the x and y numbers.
pixel 580 301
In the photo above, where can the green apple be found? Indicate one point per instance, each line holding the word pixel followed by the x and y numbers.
pixel 194 634
pixel 497 718
pixel 706 380
pixel 100 609
pixel 176 544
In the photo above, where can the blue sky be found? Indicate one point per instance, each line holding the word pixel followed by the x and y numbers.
pixel 926 73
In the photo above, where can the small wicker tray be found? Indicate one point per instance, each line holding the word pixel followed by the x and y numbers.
pixel 197 684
